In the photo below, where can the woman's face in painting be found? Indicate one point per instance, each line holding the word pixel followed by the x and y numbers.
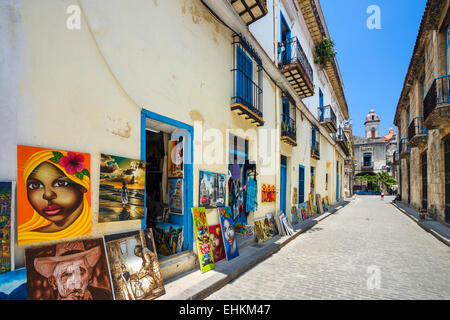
pixel 228 232
pixel 52 194
pixel 215 242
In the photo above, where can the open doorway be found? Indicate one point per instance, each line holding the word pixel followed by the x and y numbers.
pixel 168 202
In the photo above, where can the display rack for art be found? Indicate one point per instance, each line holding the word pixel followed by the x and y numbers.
pixel 201 231
pixel 53 270
pixel 212 188
pixel 7 202
pixel 41 220
pixel 134 265
pixel 122 189
pixel 228 232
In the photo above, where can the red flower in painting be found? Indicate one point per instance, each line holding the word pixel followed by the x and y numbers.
pixel 72 163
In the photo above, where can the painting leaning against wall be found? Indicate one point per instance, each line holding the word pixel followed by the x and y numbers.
pixel 6 207
pixel 122 189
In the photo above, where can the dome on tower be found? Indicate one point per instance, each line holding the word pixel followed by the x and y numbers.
pixel 372 116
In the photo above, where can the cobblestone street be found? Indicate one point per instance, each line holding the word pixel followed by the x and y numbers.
pixel 341 255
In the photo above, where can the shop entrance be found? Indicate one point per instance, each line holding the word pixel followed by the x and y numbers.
pixel 166 148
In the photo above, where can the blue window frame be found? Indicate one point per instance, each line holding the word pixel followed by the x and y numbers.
pixel 244 78
pixel 301 184
pixel 285 32
pixel 320 98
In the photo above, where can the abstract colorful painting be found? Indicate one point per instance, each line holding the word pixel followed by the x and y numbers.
pixel 294 196
pixel 229 235
pixel 76 270
pixel 201 231
pixel 175 190
pixel 134 265
pixel 325 202
pixel 217 246
pixel 303 212
pixel 273 226
pixel 53 194
pixel 168 238
pixel 13 285
pixel 268 193
pixel 122 189
pixel 175 165
pixel 262 230
pixel 295 218
pixel 6 207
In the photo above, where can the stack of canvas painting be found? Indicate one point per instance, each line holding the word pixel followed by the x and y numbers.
pixel 134 265
pixel 122 189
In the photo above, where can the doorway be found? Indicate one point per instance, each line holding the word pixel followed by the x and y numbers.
pixel 283 182
pixel 424 181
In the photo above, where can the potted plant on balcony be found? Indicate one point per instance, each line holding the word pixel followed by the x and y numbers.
pixel 324 52
pixel 284 127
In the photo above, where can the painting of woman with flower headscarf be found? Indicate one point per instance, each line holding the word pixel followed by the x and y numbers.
pixel 53 194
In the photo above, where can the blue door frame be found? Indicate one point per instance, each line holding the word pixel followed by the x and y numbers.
pixel 285 34
pixel 186 219
pixel 283 182
pixel 301 184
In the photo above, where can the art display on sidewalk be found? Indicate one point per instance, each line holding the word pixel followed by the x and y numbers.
pixel 168 238
pixel 7 199
pixel 201 231
pixel 211 189
pixel 229 236
pixel 319 204
pixel 286 224
pixel 217 246
pixel 66 210
pixel 13 285
pixel 273 226
pixel 134 265
pixel 76 270
pixel 262 230
pixel 175 159
pixel 303 212
pixel 309 209
pixel 250 230
pixel 268 193
pixel 175 190
pixel 295 216
pixel 325 203
pixel 122 189
pixel 295 196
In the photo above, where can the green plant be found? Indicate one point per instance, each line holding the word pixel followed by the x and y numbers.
pixel 324 52
pixel 284 126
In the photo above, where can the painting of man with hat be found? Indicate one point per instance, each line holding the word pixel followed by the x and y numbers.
pixel 68 271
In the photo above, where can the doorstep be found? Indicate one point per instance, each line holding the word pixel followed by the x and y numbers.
pixel 193 285
pixel 436 228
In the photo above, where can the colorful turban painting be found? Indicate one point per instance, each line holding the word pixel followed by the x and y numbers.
pixel 53 194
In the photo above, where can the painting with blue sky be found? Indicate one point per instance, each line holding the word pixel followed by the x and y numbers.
pixel 13 285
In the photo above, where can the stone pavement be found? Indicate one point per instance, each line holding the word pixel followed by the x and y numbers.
pixel 194 285
pixel 367 250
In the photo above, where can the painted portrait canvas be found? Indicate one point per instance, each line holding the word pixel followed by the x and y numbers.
pixel 122 189
pixel 229 235
pixel 76 270
pixel 134 265
pixel 217 246
pixel 175 190
pixel 202 237
pixel 53 194
pixel 168 238
pixel 13 285
pixel 6 221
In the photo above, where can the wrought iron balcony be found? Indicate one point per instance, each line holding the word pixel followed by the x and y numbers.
pixel 315 148
pixel 295 67
pixel 436 105
pixel 247 98
pixel 404 148
pixel 250 10
pixel 327 118
pixel 367 165
pixel 417 133
pixel 289 130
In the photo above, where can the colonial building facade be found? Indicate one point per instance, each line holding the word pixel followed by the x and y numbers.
pixel 423 117
pixel 235 81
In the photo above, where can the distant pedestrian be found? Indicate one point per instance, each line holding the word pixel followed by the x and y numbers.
pixel 382 195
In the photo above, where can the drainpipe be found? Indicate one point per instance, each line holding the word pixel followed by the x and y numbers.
pixel 277 110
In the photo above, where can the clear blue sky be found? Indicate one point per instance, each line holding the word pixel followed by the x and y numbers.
pixel 373 63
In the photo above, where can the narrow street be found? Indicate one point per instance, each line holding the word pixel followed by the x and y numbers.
pixel 335 259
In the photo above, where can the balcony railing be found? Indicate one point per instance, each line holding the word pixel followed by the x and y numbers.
pixel 246 92
pixel 289 130
pixel 438 96
pixel 296 68
pixel 416 128
pixel 404 148
pixel 328 118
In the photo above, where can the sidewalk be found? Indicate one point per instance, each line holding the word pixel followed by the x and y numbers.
pixel 436 228
pixel 193 285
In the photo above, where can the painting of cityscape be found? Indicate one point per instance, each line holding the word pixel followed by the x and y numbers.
pixel 168 238
pixel 122 189
pixel 13 285
pixel 6 207
pixel 134 265
pixel 175 187
pixel 212 189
